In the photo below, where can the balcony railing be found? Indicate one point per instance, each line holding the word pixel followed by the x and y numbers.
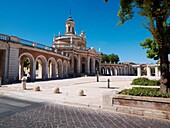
pixel 38 45
pixel 27 42
pixel 73 46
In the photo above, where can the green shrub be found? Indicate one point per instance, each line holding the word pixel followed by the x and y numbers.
pixel 145 81
pixel 152 92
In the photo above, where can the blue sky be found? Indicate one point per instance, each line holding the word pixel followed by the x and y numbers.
pixel 39 20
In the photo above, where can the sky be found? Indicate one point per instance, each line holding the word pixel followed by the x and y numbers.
pixel 39 20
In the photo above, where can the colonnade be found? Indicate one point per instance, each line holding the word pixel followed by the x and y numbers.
pixel 83 64
pixel 41 68
pixel 148 70
pixel 118 69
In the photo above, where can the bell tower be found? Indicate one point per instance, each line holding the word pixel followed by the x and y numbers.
pixel 70 26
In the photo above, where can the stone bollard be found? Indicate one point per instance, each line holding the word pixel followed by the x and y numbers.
pixel 81 93
pixel 56 90
pixel 24 79
pixel 108 83
pixel 37 88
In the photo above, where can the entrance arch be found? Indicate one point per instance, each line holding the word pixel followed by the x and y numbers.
pixel 41 67
pixel 51 68
pixel 26 65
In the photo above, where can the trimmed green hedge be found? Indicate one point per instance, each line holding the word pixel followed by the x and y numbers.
pixel 145 81
pixel 152 92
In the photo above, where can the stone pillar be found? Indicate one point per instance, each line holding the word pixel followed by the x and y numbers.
pixel 72 64
pixel 148 71
pixel 54 71
pixel 13 68
pixel 33 77
pixel 93 65
pixel 79 64
pixel 156 71
pixel 88 65
pixel 115 71
pixel 139 71
pixel 45 73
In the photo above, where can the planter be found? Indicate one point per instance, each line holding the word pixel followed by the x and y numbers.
pixel 138 105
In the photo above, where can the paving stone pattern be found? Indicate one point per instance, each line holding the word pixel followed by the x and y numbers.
pixel 63 116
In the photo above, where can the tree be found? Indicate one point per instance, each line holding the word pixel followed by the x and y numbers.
pixel 152 51
pixel 114 58
pixel 105 58
pixel 156 13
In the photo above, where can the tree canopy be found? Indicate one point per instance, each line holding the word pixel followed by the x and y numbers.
pixel 152 49
pixel 111 58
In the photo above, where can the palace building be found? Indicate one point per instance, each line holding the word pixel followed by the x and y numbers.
pixel 68 56
pixel 83 60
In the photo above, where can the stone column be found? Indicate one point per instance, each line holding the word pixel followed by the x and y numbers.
pixel 93 65
pixel 156 71
pixel 148 71
pixel 78 64
pixel 115 71
pixel 139 71
pixel 13 68
pixel 54 70
pixel 33 77
pixel 72 63
pixel 88 65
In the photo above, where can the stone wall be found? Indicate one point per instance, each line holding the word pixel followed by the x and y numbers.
pixel 138 105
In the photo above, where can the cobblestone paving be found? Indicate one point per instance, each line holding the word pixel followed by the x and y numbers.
pixel 62 116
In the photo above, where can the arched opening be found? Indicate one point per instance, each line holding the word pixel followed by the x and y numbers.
pixel 103 71
pixel 65 69
pixel 116 71
pixel 26 66
pixel 59 69
pixel 41 67
pixel 83 65
pixel 108 71
pixel 51 68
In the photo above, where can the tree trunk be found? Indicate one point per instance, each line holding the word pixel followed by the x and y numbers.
pixel 164 64
pixel 163 53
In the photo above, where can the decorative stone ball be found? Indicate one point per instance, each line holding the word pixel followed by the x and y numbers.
pixel 81 93
pixel 37 88
pixel 56 90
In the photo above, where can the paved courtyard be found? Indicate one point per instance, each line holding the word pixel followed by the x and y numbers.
pixel 69 89
pixel 27 108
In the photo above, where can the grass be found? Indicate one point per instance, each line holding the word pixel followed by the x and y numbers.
pixel 145 82
pixel 151 92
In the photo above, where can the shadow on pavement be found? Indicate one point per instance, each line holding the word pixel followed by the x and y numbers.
pixel 10 106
